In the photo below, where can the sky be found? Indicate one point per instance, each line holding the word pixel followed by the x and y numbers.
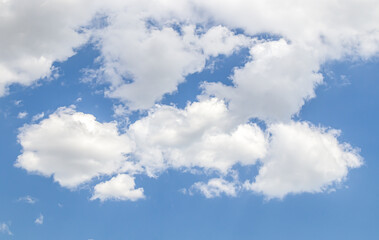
pixel 189 119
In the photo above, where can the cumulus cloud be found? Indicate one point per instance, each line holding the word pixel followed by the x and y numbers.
pixel 143 43
pixel 145 62
pixel 148 51
pixel 303 158
pixel 36 33
pixel 202 135
pixel 296 157
pixel 274 85
pixel 121 187
pixel 314 24
pixel 148 48
pixel 72 147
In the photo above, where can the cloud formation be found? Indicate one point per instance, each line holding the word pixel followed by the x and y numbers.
pixel 147 49
pixel 296 157
pixel 39 33
pixel 72 147
pixel 273 85
pixel 202 135
pixel 121 187
pixel 303 158
pixel 162 34
pixel 145 62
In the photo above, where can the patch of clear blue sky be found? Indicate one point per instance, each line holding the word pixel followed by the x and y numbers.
pixel 348 213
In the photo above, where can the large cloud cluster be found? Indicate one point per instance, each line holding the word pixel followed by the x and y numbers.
pixel 75 148
pixel 148 48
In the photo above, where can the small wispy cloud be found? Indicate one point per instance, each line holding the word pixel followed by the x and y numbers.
pixel 28 199
pixel 17 102
pixel 39 220
pixel 184 191
pixel 4 228
pixel 38 116
pixel 22 115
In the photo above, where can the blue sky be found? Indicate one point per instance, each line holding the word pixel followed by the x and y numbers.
pixel 215 122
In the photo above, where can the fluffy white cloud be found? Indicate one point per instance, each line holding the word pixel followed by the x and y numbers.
pixel 303 158
pixel 220 40
pixel 141 45
pixel 73 147
pixel 148 48
pixel 296 157
pixel 334 28
pixel 145 62
pixel 139 41
pixel 121 187
pixel 202 135
pixel 274 84
pixel 215 187
pixel 36 33
pixel 282 75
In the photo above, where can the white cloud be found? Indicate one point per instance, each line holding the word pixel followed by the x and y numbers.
pixel 282 75
pixel 37 117
pixel 22 115
pixel 202 135
pixel 141 44
pixel 39 220
pixel 18 102
pixel 140 39
pixel 155 60
pixel 73 147
pixel 120 111
pixel 121 187
pixel 219 40
pixel 28 199
pixel 36 33
pixel 303 158
pixel 202 138
pixel 215 187
pixel 314 24
pixel 4 228
pixel 273 85
pixel 148 48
